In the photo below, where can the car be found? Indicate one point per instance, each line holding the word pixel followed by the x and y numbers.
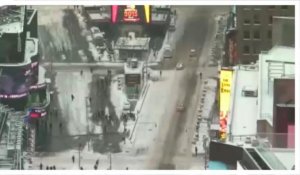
pixel 193 53
pixel 180 107
pixel 179 66
pixel 168 52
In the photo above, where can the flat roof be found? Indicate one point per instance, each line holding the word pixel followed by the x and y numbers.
pixel 276 63
pixel 31 49
pixel 140 43
pixel 243 109
pixel 12 19
pixel 156 16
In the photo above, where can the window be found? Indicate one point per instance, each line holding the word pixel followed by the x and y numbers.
pixel 284 7
pixel 256 19
pixel 256 34
pixel 246 49
pixel 270 34
pixel 270 19
pixel 246 34
pixel 247 21
pixel 256 49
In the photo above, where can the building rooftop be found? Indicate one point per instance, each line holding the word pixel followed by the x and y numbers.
pixel 243 107
pixel 12 19
pixel 130 69
pixel 161 6
pixel 98 12
pixel 132 43
pixel 157 16
pixel 279 62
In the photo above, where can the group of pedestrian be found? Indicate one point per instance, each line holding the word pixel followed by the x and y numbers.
pixel 47 167
pixel 96 164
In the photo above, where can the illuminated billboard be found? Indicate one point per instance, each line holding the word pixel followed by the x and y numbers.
pixel 132 79
pixel 225 88
pixel 15 81
pixel 130 13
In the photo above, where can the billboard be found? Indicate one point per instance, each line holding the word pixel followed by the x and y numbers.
pixel 225 88
pixel 130 13
pixel 15 81
pixel 132 79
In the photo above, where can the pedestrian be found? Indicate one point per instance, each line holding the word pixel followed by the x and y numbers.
pixel 81 168
pixel 81 72
pixel 54 167
pixel 47 168
pixel 73 158
pixel 60 126
pixel 50 167
pixel 124 140
pixel 196 150
pixel 72 97
pixel 97 162
pixel 95 167
pixel 160 72
pixel 200 75
pixel 127 168
pixel 90 99
pixel 41 166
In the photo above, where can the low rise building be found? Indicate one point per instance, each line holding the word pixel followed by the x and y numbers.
pixel 261 119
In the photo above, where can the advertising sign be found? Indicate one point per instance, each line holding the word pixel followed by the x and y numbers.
pixel 131 13
pixel 15 81
pixel 37 112
pixel 132 79
pixel 225 88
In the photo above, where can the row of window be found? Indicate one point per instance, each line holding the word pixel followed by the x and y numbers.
pixel 270 7
pixel 256 34
pixel 255 49
pixel 257 20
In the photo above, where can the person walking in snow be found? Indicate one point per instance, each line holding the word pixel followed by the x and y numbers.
pixel 72 97
pixel 41 166
pixel 196 150
pixel 73 158
pixel 81 72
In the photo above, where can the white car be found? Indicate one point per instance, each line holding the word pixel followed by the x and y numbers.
pixel 179 66
pixel 193 53
pixel 168 52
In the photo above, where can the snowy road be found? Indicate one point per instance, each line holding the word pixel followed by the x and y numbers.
pixel 174 148
pixel 162 135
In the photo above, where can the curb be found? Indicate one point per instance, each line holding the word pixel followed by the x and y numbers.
pixel 138 111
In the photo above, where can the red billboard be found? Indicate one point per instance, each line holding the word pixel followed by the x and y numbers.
pixel 130 13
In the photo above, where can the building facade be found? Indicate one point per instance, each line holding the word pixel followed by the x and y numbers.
pixel 250 31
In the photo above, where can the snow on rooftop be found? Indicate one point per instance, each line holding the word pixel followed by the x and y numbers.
pixel 138 43
pixel 278 57
pixel 129 70
pixel 159 16
pixel 15 27
pixel 99 16
pixel 243 109
pixel 12 19
pixel 42 73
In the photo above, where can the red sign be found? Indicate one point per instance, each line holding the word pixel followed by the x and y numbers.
pixel 131 14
